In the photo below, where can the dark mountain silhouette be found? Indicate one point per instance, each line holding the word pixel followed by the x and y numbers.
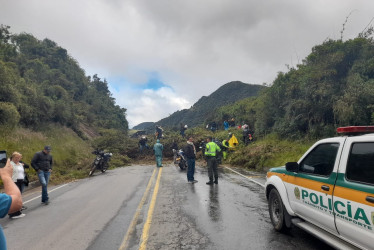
pixel 204 108
pixel 144 126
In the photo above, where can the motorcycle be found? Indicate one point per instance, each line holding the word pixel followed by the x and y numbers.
pixel 100 162
pixel 180 159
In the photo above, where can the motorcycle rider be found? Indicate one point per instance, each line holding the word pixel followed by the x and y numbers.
pixel 211 150
pixel 190 153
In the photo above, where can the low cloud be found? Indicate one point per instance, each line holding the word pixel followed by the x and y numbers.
pixel 194 46
pixel 149 105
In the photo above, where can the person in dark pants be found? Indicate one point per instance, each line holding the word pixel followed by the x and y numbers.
pixel 159 131
pixel 42 163
pixel 182 129
pixel 143 144
pixel 211 150
pixel 18 177
pixel 190 153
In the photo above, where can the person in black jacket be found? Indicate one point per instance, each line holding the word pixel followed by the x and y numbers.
pixel 143 144
pixel 42 163
pixel 190 153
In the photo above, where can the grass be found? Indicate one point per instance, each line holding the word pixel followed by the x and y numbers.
pixel 268 152
pixel 71 155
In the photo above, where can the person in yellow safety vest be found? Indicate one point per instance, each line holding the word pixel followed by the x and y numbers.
pixel 211 150
pixel 225 148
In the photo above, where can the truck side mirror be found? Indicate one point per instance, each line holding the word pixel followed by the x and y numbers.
pixel 292 167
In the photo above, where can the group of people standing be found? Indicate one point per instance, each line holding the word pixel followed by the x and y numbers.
pixel 14 180
pixel 42 163
pixel 210 150
pixel 229 123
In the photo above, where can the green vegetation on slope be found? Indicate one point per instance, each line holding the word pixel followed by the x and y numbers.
pixel 268 152
pixel 46 98
pixel 333 87
pixel 42 84
pixel 202 111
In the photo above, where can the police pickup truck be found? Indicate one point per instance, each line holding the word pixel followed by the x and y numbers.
pixel 329 192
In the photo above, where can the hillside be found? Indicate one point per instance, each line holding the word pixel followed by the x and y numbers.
pixel 41 84
pixel 202 111
pixel 144 126
pixel 333 87
pixel 46 99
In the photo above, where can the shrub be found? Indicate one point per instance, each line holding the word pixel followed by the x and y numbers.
pixel 9 116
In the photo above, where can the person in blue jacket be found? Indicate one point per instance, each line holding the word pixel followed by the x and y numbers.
pixel 226 125
pixel 157 149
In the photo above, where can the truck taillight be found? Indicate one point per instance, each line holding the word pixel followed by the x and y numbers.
pixel 355 129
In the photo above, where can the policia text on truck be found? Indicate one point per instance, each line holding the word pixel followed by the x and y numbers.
pixel 329 192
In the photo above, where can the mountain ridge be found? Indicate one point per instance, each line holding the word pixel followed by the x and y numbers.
pixel 201 111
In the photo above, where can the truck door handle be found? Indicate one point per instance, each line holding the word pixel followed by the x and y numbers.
pixel 326 188
pixel 370 199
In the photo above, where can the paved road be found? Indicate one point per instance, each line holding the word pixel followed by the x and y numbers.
pixel 141 206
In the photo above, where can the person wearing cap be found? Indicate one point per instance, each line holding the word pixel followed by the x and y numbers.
pixel 42 163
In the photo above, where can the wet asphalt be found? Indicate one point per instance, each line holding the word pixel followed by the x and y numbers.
pixel 96 213
pixel 230 215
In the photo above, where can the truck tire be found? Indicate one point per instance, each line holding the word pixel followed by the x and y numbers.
pixel 277 211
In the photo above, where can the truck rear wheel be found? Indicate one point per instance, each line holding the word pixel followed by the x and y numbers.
pixel 277 211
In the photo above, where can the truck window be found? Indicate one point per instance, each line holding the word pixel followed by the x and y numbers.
pixel 360 166
pixel 321 160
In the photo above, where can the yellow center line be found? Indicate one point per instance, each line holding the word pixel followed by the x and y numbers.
pixel 138 210
pixel 147 224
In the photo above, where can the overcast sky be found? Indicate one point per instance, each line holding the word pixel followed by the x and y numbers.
pixel 160 56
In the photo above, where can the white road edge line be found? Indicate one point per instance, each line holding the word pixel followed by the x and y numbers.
pixel 48 192
pixel 258 183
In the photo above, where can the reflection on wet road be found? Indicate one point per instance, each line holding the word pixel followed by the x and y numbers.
pixel 230 215
pixel 214 210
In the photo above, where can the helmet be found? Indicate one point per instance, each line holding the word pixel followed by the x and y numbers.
pixel 185 126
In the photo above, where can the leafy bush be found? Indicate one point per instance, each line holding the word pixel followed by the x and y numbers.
pixel 9 115
pixel 272 151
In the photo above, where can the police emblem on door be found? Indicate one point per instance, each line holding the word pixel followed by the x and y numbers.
pixel 297 193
